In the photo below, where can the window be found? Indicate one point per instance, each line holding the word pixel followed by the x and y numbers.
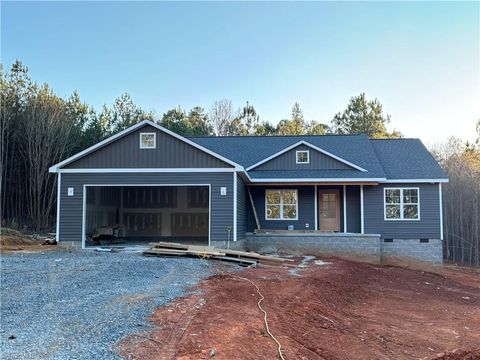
pixel 303 157
pixel 281 205
pixel 148 140
pixel 402 203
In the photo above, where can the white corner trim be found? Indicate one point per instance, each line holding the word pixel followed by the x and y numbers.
pixel 303 142
pixel 154 140
pixel 401 202
pixel 59 192
pixel 362 217
pixel 132 128
pixel 345 208
pixel 302 151
pixel 440 201
pixel 235 206
pixel 146 170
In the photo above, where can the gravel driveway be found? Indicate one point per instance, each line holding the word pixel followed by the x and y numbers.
pixel 76 305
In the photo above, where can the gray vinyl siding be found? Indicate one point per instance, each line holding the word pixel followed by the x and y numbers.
pixel 71 206
pixel 241 208
pixel 427 227
pixel 170 152
pixel 306 209
pixel 318 161
pixel 353 209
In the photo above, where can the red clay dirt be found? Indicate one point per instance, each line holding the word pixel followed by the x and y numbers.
pixel 342 310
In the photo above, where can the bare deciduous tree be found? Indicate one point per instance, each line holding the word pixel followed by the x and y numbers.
pixel 221 115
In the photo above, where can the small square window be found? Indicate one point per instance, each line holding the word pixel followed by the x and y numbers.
pixel 148 141
pixel 303 157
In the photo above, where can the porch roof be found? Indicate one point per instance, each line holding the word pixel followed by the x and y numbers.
pixel 316 175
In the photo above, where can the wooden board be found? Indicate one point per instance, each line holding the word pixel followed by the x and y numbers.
pixel 244 257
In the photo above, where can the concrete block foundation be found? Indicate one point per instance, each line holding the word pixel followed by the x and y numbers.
pixel 359 247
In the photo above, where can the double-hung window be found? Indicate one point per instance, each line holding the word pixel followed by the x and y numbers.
pixel 402 203
pixel 281 204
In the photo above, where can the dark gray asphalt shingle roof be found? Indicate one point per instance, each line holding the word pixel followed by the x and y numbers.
pixel 390 158
pixel 407 159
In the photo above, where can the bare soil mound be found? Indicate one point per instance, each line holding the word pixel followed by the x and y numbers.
pixel 338 310
pixel 13 240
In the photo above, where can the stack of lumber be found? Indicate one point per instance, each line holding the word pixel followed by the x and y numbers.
pixel 246 258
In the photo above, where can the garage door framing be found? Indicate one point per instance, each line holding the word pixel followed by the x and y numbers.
pixel 84 203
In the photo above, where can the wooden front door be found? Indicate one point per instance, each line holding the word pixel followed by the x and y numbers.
pixel 329 210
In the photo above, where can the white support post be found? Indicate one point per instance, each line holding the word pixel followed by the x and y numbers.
pixel 235 206
pixel 440 200
pixel 316 207
pixel 345 208
pixel 362 221
pixel 84 214
pixel 59 191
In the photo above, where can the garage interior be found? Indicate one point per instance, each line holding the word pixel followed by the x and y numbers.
pixel 121 215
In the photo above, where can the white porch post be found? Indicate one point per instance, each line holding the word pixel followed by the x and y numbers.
pixel 345 208
pixel 441 209
pixel 316 208
pixel 234 206
pixel 362 222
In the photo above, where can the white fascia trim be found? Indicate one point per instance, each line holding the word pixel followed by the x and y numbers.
pixel 132 128
pixel 146 170
pixel 431 181
pixel 319 180
pixel 311 146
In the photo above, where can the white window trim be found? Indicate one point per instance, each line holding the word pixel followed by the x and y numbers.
pixel 281 218
pixel 401 203
pixel 154 140
pixel 302 151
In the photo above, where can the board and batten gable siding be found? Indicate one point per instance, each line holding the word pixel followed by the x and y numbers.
pixel 428 227
pixel 71 206
pixel 125 152
pixel 288 161
pixel 242 198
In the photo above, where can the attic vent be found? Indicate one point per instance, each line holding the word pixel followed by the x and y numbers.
pixel 424 240
pixel 148 141
pixel 387 240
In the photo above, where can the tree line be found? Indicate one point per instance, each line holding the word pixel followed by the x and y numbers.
pixel 461 199
pixel 38 128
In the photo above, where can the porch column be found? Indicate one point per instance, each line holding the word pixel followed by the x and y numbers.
pixel 362 226
pixel 345 208
pixel 316 208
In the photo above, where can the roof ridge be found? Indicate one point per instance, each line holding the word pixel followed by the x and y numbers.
pixel 272 136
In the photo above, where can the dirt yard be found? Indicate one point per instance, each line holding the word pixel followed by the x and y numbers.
pixel 332 310
pixel 15 241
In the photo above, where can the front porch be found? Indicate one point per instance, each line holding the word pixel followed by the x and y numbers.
pixel 323 207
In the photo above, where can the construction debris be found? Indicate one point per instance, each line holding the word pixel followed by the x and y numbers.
pixel 244 258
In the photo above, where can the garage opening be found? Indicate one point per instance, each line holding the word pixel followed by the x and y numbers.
pixel 128 215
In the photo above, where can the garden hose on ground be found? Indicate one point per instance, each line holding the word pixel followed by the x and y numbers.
pixel 259 303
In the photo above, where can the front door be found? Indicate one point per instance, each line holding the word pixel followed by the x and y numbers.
pixel 329 207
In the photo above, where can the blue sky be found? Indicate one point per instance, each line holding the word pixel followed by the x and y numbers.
pixel 421 59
